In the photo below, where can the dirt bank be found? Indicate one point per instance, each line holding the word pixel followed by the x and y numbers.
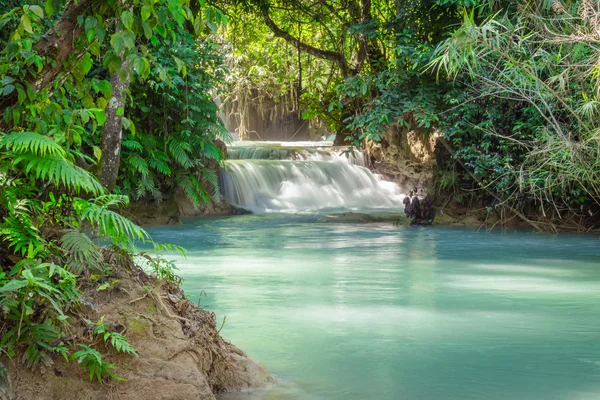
pixel 181 354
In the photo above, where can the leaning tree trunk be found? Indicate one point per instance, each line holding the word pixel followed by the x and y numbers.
pixel 57 45
pixel 112 131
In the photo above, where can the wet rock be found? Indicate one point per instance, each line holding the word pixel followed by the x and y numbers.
pixel 352 217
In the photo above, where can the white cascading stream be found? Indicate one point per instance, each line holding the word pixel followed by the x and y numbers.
pixel 299 177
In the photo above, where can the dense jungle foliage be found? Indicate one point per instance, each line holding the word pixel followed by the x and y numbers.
pixel 511 86
pixel 101 101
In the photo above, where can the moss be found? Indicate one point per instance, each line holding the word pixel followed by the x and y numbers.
pixel 139 326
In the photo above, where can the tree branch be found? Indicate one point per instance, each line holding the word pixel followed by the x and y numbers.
pixel 333 56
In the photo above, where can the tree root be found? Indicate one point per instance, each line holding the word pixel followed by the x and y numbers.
pixel 158 299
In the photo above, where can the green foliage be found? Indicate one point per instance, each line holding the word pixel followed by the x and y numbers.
pixel 54 214
pixel 115 339
pixel 92 360
pixel 156 264
pixel 80 250
pixel 107 223
pixel 176 124
pixel 33 299
pixel 405 96
pixel 530 137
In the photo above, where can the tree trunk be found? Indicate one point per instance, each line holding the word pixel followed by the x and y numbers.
pixel 112 131
pixel 58 42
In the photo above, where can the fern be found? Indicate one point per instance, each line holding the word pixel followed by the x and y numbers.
pixel 212 179
pixel 131 144
pixel 147 185
pixel 138 164
pixel 31 142
pixel 179 150
pixel 61 172
pixel 91 360
pixel 120 343
pixel 160 166
pixel 81 251
pixel 211 151
pixel 19 230
pixel 115 339
pixel 110 224
pixel 193 190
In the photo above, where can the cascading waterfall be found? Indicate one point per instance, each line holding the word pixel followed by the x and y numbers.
pixel 303 177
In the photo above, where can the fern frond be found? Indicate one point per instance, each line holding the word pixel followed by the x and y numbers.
pixel 212 178
pixel 60 172
pixel 109 200
pixel 18 229
pixel 109 224
pixel 131 144
pixel 193 190
pixel 179 150
pixel 120 343
pixel 148 185
pixel 138 164
pixel 209 150
pixel 160 166
pixel 31 142
pixel 81 251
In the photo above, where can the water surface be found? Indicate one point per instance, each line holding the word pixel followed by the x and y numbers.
pixel 355 312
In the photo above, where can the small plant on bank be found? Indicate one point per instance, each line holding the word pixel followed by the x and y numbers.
pixel 115 339
pixel 91 360
pixel 154 263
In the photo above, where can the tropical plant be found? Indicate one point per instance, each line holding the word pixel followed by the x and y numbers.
pixel 91 360
pixel 176 120
pixel 62 114
pixel 538 144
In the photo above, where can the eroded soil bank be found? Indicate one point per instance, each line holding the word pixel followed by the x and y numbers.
pixel 181 354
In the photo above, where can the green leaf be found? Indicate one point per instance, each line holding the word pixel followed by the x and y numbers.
pixel 85 117
pixel 102 103
pixel 22 96
pixel 97 152
pixel 90 22
pixel 49 7
pixel 127 19
pixel 146 12
pixel 13 286
pixel 100 115
pixel 26 23
pixel 91 35
pixel 95 48
pixel 117 42
pixel 147 30
pixel 37 10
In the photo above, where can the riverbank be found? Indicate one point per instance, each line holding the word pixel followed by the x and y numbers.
pixel 181 354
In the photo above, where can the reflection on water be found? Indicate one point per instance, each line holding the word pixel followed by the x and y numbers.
pixel 378 312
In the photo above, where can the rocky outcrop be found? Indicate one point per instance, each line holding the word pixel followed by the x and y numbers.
pixel 169 211
pixel 181 354
pixel 407 157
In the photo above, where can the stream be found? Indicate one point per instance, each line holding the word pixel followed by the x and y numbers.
pixel 375 311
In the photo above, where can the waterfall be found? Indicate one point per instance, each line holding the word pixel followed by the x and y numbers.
pixel 303 177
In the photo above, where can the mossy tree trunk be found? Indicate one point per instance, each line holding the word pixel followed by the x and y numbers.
pixel 112 131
